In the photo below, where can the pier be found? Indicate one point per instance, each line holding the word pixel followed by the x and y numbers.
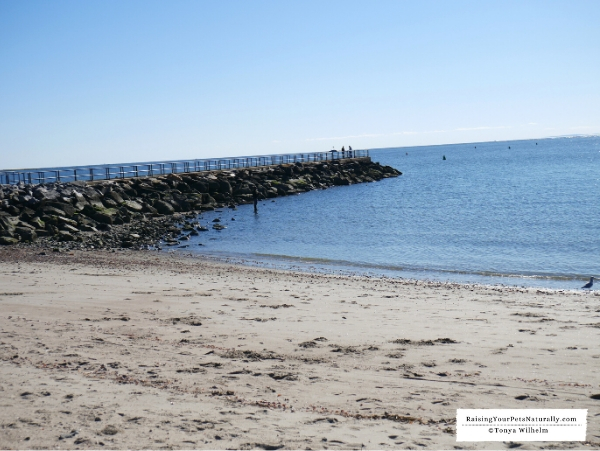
pixel 157 168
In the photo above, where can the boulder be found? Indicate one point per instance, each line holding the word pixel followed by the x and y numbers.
pixel 90 211
pixel 241 189
pixel 10 233
pixel 116 197
pixel 13 210
pixel 94 198
pixel 41 193
pixel 181 204
pixel 51 210
pixel 207 199
pixel 26 233
pixel 27 214
pixel 37 222
pixel 213 185
pixel 6 240
pixel 149 208
pixel 163 207
pixel 25 225
pixel 109 203
pixel 63 220
pixel 76 197
pixel 69 228
pixel 65 236
pixel 340 180
pixel 225 187
pixel 106 216
pixel 133 205
pixel 52 229
pixel 200 185
pixel 88 228
pixel 8 222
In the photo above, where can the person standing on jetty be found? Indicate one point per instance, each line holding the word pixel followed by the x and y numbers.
pixel 255 199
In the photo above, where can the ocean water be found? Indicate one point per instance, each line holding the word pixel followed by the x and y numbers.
pixel 524 213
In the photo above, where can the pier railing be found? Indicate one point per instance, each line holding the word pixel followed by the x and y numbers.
pixel 149 169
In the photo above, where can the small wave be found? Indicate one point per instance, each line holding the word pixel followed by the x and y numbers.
pixel 402 268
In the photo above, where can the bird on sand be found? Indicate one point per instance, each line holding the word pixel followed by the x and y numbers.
pixel 588 285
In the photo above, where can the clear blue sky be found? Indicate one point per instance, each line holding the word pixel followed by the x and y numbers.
pixel 89 82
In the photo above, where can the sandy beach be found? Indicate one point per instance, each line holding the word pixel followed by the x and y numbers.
pixel 114 350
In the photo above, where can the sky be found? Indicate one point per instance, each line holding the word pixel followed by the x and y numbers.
pixel 94 82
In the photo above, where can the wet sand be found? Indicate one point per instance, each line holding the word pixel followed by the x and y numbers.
pixel 102 350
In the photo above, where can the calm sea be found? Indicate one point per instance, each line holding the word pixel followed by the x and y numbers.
pixel 523 213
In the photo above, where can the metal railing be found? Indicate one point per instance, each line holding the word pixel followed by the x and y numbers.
pixel 150 169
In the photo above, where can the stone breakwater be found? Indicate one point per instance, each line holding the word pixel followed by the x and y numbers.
pixel 138 213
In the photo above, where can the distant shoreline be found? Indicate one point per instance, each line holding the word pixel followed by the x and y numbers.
pixel 593 135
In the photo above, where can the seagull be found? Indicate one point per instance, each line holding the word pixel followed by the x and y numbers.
pixel 589 284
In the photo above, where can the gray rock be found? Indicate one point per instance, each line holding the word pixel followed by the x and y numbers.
pixel 149 208
pixel 37 222
pixel 8 233
pixel 133 205
pixel 109 203
pixel 63 220
pixel 114 196
pixel 163 207
pixel 26 233
pixel 88 228
pixel 69 228
pixel 107 216
pixel 50 210
pixel 79 201
pixel 25 225
pixel 93 197
pixel 225 187
pixel 13 210
pixel 63 235
pixel 7 241
pixel 42 193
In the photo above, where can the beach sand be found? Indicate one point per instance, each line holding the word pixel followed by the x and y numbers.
pixel 138 350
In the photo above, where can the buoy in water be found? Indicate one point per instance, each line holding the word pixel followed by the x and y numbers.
pixel 444 157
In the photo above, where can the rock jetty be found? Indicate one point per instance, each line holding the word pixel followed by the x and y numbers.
pixel 140 212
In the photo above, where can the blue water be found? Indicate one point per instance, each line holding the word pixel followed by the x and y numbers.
pixel 526 216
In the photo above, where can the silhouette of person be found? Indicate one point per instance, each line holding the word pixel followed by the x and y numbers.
pixel 255 199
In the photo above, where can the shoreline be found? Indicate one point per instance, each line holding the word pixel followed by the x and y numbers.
pixel 335 267
pixel 132 349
